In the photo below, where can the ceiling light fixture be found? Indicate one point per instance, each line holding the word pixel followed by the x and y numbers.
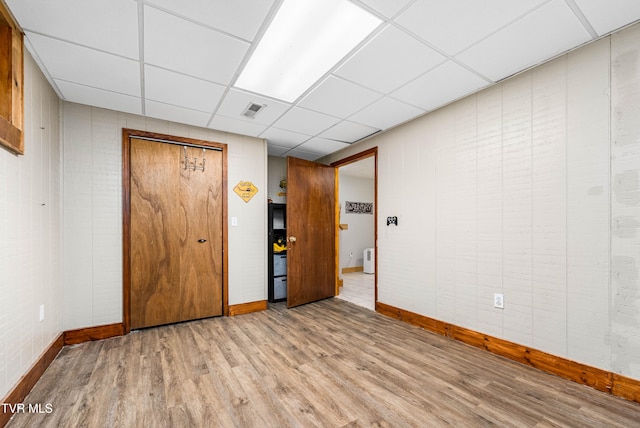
pixel 305 39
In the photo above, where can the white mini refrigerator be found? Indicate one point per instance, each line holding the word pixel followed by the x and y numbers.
pixel 369 260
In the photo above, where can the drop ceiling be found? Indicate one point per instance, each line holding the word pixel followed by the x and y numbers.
pixel 178 60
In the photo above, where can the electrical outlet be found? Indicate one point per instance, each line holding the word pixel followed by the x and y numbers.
pixel 234 221
pixel 498 300
pixel 350 253
pixel 42 312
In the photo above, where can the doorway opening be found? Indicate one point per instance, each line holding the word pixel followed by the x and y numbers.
pixel 357 237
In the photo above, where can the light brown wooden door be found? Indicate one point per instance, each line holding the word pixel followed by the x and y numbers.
pixel 176 235
pixel 311 226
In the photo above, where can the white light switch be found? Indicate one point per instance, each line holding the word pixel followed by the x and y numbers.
pixel 234 221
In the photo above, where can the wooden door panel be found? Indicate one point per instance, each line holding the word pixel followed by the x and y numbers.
pixel 311 200
pixel 173 276
pixel 155 260
pixel 201 219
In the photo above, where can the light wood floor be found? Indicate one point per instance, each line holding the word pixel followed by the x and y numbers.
pixel 328 364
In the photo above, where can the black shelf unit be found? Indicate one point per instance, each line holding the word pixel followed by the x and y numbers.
pixel 277 260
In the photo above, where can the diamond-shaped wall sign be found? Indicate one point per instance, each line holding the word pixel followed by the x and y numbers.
pixel 246 190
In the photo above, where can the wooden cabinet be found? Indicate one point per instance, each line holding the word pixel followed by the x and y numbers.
pixel 11 83
pixel 277 240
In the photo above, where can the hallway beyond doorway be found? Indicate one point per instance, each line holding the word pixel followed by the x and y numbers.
pixel 358 288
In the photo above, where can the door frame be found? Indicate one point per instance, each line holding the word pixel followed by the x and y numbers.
pixel 127 134
pixel 372 152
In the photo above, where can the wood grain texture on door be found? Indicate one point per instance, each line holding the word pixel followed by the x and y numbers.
pixel 311 199
pixel 176 235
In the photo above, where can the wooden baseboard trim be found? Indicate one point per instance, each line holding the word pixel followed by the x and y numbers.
pixel 81 335
pixel 353 269
pixel 20 391
pixel 247 308
pixel 599 379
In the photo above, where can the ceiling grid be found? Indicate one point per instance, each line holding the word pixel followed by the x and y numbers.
pixel 179 61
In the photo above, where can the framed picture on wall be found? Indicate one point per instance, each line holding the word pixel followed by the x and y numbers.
pixel 358 207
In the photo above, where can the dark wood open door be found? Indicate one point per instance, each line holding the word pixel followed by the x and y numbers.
pixel 311 227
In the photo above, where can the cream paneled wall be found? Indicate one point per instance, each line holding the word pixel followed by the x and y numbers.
pixel 30 234
pixel 529 188
pixel 588 207
pixel 625 203
pixel 277 170
pixel 93 211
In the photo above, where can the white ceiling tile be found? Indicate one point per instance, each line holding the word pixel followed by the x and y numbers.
pixel 88 67
pixel 389 61
pixel 235 102
pixel 544 33
pixel 111 26
pixel 281 137
pixel 176 44
pixel 305 121
pixel 440 86
pixel 386 113
pixel 180 90
pixel 321 146
pixel 176 114
pixel 301 154
pixel 99 98
pixel 241 18
pixel 606 16
pixel 338 97
pixel 455 25
pixel 277 150
pixel 348 132
pixel 236 126
pixel 388 8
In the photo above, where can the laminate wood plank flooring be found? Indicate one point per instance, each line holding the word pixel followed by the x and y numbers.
pixel 325 364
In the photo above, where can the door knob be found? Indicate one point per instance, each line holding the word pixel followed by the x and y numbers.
pixel 202 241
pixel 292 239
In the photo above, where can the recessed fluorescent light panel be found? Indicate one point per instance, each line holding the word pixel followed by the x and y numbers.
pixel 305 40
